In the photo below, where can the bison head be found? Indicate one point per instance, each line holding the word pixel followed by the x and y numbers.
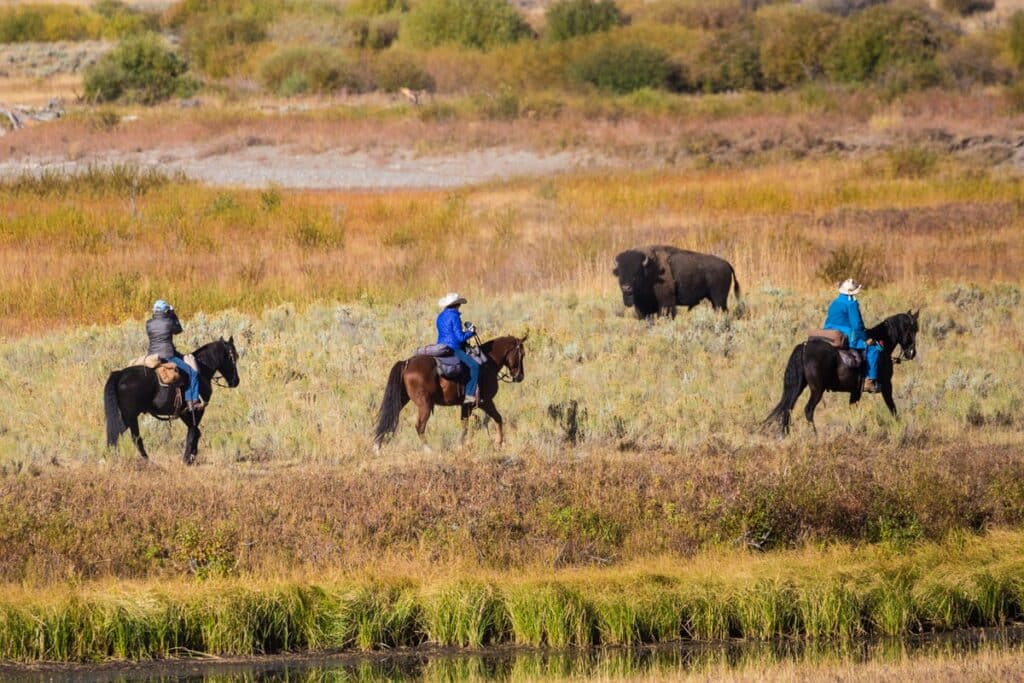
pixel 637 272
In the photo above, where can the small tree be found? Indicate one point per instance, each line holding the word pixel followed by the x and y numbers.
pixel 623 68
pixel 139 70
pixel 571 18
pixel 481 24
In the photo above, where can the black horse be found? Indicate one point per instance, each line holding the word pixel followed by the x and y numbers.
pixel 136 390
pixel 815 364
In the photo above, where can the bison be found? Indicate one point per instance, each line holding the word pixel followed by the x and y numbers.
pixel 656 279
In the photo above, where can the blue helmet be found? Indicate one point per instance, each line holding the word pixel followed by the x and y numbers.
pixel 162 306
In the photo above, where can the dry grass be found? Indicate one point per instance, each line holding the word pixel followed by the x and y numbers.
pixel 106 251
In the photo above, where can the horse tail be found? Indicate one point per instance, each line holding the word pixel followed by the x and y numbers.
pixel 395 398
pixel 115 423
pixel 793 383
pixel 735 282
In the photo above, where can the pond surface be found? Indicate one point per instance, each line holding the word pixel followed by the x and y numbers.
pixel 514 664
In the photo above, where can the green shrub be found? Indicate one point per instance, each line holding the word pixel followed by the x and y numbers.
pixel 696 14
pixel 793 42
pixel 974 61
pixel 480 24
pixel 1015 97
pixel 1016 39
pixel 967 7
pixel 140 70
pixel 571 18
pixel 623 68
pixel 371 8
pixel 297 70
pixel 218 44
pixel 729 60
pixel 48 23
pixel 393 70
pixel 885 39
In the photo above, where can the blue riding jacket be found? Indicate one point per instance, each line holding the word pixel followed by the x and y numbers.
pixel 844 316
pixel 449 329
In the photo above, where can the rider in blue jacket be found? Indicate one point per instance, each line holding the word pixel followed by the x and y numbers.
pixel 844 316
pixel 451 333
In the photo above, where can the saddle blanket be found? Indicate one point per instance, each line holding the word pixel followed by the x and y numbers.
pixel 167 373
pixel 448 365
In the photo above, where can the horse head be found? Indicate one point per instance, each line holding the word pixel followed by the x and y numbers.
pixel 509 352
pixel 221 356
pixel 903 331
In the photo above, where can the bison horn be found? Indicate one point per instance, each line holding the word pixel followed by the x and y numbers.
pixel 647 259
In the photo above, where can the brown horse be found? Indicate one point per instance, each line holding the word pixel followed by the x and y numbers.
pixel 416 379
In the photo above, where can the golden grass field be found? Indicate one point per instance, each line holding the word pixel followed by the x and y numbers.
pixel 666 460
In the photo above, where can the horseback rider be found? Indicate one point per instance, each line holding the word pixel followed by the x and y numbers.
pixel 844 316
pixel 161 328
pixel 451 333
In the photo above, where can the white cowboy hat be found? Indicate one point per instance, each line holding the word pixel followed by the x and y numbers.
pixel 850 287
pixel 450 299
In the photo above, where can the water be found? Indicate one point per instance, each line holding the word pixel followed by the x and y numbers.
pixel 513 664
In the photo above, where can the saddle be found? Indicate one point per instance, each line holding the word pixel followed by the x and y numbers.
pixel 851 358
pixel 447 364
pixel 167 373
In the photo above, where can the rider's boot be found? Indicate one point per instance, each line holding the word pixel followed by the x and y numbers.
pixel 871 386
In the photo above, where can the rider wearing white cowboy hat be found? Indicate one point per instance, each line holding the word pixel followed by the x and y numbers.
pixel 451 333
pixel 844 315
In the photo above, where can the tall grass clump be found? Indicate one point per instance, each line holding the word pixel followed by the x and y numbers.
pixel 829 608
pixel 767 609
pixel 114 180
pixel 551 614
pixel 374 615
pixel 465 614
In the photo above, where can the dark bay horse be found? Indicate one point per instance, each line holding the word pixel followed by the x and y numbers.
pixel 136 390
pixel 416 380
pixel 815 364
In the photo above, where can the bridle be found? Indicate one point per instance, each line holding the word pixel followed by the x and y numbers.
pixel 218 376
pixel 505 372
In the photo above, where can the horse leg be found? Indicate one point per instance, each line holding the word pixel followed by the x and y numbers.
pixel 423 407
pixel 492 412
pixel 132 422
pixel 887 397
pixel 812 403
pixel 466 410
pixel 191 421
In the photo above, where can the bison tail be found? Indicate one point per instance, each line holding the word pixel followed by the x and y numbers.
pixel 793 384
pixel 735 283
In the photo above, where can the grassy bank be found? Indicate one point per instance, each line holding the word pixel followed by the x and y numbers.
pixel 104 245
pixel 840 593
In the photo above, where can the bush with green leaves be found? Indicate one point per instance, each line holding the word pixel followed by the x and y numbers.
pixel 372 8
pixel 47 23
pixel 1016 39
pixel 218 44
pixel 888 39
pixel 139 70
pixel 571 18
pixel 974 60
pixel 299 70
pixel 729 60
pixel 480 24
pixel 393 70
pixel 793 42
pixel 623 68
pixel 967 7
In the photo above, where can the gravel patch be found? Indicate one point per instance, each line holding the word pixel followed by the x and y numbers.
pixel 263 166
